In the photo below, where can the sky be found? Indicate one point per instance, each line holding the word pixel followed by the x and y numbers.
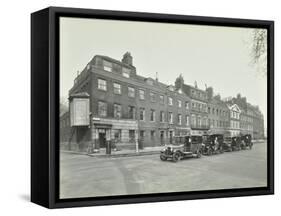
pixel 214 56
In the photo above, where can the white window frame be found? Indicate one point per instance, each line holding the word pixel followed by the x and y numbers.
pixel 117 88
pixel 170 101
pixel 131 92
pixel 102 84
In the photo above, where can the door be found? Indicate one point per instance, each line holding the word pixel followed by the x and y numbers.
pixel 171 136
pixel 102 140
pixel 162 137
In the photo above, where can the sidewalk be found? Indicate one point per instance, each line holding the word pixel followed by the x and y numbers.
pixel 119 153
pixel 128 153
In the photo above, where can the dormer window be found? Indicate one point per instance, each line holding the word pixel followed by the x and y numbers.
pixel 126 72
pixel 171 88
pixel 107 66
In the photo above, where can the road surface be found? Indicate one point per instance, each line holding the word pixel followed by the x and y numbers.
pixel 84 176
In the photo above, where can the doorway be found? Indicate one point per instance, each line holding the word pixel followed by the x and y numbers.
pixel 102 140
pixel 162 137
pixel 171 136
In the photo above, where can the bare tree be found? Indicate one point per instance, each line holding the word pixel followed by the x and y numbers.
pixel 259 50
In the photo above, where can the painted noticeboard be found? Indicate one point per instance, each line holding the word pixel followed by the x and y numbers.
pixel 79 112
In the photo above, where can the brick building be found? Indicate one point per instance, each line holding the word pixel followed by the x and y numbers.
pixel 218 113
pixel 198 106
pixel 132 111
pixel 127 108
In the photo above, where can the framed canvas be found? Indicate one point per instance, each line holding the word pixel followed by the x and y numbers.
pixel 132 107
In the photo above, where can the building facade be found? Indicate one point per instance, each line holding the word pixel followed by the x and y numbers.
pixel 218 113
pixel 130 111
pixel 198 106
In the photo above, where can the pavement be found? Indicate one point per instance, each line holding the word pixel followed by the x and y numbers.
pixel 128 152
pixel 83 176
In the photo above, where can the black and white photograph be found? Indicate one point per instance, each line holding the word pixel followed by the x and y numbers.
pixel 160 107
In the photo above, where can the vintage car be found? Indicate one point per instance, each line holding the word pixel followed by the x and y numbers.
pixel 212 144
pixel 246 141
pixel 185 146
pixel 231 143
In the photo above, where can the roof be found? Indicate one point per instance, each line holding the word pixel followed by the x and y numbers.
pixel 79 95
pixel 114 60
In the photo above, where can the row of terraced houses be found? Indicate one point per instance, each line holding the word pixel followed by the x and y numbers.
pixel 128 109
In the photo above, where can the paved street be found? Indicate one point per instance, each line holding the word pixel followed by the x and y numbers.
pixel 84 176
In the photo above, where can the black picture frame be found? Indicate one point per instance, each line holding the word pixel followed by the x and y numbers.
pixel 45 106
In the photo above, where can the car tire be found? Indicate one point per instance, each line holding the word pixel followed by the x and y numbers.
pixel 176 157
pixel 209 152
pixel 163 158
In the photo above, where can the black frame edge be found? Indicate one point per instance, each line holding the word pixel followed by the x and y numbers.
pixel 40 107
pixel 48 199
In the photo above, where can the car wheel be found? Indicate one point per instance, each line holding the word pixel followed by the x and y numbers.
pixel 209 152
pixel 176 157
pixel 163 157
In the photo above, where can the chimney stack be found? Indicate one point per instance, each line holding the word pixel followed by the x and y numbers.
pixel 127 59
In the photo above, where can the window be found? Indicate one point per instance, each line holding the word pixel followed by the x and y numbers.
pixel 102 84
pixel 152 134
pixel 131 92
pixel 117 134
pixel 209 109
pixel 199 121
pixel 193 105
pixel 205 108
pixel 142 114
pixel 187 120
pixel 161 99
pixel 102 109
pixel 213 110
pixel 170 117
pixel 107 66
pixel 141 92
pixel 117 111
pixel 152 115
pixel 179 103
pixel 205 121
pixel 152 97
pixel 170 101
pixel 116 88
pixel 217 111
pixel 126 72
pixel 142 134
pixel 132 112
pixel 132 135
pixel 179 119
pixel 193 120
pixel 187 105
pixel 162 116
